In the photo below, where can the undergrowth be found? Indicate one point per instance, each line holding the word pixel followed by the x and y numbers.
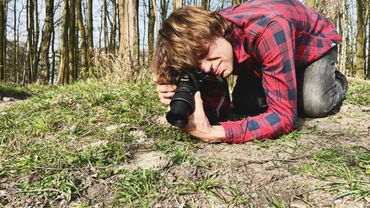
pixel 56 142
pixel 83 126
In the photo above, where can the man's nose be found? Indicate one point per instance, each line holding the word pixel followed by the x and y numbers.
pixel 207 67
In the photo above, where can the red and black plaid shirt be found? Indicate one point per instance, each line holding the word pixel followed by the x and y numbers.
pixel 282 36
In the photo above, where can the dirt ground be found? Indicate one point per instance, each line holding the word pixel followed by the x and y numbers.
pixel 255 174
pixel 258 173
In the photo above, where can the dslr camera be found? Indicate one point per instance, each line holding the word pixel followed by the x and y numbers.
pixel 182 104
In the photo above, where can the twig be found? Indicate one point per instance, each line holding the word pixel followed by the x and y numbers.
pixel 294 159
pixel 41 190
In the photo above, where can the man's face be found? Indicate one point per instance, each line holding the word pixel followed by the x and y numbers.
pixel 219 60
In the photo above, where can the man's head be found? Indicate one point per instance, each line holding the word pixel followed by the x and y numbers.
pixel 185 40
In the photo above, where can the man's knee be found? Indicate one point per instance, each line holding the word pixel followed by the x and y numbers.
pixel 317 107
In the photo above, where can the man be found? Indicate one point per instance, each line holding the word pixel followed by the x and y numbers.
pixel 282 52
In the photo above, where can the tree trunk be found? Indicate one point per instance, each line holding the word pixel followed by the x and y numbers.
pixel 205 4
pixel 368 41
pixel 351 40
pixel 81 29
pixel 2 39
pixel 113 28
pixel 72 42
pixel 63 74
pixel 164 9
pixel 52 74
pixel 329 8
pixel 129 47
pixel 45 42
pixel 90 34
pixel 310 3
pixel 36 40
pixel 101 28
pixel 31 56
pixel 237 2
pixel 360 37
pixel 15 43
pixel 151 24
pixel 178 4
pixel 344 34
pixel 105 26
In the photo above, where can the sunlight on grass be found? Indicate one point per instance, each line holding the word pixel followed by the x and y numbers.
pixel 358 93
pixel 57 142
pixel 138 187
pixel 346 165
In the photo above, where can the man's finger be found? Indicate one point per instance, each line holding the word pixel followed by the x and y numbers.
pixel 168 94
pixel 198 99
pixel 166 88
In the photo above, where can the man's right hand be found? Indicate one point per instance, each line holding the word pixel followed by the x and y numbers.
pixel 166 92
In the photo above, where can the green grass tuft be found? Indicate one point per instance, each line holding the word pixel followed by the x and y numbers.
pixel 358 93
pixel 138 187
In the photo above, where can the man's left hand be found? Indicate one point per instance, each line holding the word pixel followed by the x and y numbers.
pixel 199 126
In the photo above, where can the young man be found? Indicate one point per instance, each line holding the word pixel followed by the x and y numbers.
pixel 282 52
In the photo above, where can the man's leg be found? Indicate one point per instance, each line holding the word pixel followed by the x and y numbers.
pixel 321 89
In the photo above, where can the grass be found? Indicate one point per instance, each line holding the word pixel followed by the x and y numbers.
pixel 64 129
pixel 138 188
pixel 358 93
pixel 56 142
pixel 345 167
pixel 239 197
pixel 275 201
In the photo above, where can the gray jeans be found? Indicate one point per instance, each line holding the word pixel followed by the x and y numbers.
pixel 321 89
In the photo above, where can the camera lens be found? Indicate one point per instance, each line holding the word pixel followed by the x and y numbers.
pixel 179 116
pixel 182 105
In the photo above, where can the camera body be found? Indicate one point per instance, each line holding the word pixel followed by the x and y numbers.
pixel 182 104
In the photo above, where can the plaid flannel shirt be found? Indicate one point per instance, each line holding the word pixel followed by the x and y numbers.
pixel 282 36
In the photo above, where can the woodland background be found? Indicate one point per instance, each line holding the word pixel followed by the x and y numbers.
pixel 81 125
pixel 59 42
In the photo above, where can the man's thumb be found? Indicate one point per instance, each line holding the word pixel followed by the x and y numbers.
pixel 198 99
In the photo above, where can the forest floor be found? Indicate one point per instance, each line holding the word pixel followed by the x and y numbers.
pixel 94 144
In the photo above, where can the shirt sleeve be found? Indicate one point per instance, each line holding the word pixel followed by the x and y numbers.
pixel 276 50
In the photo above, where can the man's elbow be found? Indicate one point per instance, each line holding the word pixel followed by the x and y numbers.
pixel 289 123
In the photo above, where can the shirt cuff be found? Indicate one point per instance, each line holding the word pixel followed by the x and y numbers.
pixel 234 132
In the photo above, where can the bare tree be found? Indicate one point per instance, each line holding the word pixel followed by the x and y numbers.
pixel 63 74
pixel 45 41
pixel 129 32
pixel 105 25
pixel 81 29
pixel 113 23
pixel 151 24
pixel 3 6
pixel 36 39
pixel 15 42
pixel 367 18
pixel 178 3
pixel 164 8
pixel 30 70
pixel 360 37
pixel 237 2
pixel 90 34
pixel 329 8
pixel 310 3
pixel 344 33
pixel 72 42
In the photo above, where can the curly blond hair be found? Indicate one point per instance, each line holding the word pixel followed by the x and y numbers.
pixel 184 40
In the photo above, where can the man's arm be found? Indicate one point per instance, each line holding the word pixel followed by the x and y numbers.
pixel 275 49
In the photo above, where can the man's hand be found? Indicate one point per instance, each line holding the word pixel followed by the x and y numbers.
pixel 165 93
pixel 199 125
